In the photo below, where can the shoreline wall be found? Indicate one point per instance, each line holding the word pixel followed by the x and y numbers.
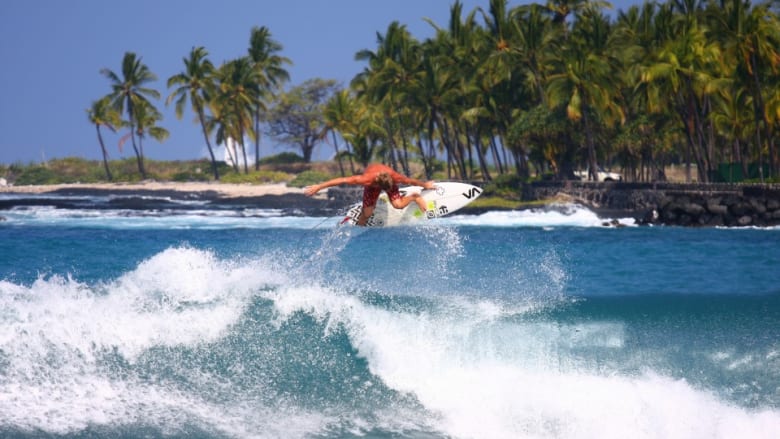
pixel 672 203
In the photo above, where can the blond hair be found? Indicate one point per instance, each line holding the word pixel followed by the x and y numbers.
pixel 384 181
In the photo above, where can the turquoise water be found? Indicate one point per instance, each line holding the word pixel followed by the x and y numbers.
pixel 536 324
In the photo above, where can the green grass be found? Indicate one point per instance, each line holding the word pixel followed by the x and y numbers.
pixel 307 178
pixel 498 202
pixel 78 170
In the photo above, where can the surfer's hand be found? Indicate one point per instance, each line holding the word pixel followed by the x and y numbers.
pixel 430 185
pixel 310 190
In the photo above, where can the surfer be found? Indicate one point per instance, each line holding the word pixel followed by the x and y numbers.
pixel 375 179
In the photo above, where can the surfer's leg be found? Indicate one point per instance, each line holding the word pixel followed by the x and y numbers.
pixel 365 214
pixel 370 195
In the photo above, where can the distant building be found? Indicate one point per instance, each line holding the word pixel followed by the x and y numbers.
pixel 231 152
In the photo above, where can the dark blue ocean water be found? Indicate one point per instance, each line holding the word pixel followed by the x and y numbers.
pixel 506 325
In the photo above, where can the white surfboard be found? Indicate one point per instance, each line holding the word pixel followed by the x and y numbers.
pixel 446 198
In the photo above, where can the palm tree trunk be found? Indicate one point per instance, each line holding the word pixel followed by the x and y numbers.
pixel 139 154
pixel 480 155
pixel 338 153
pixel 202 119
pixel 351 156
pixel 423 157
pixel 760 151
pixel 257 140
pixel 232 153
pixel 139 157
pixel 496 155
pixel 243 149
pixel 688 112
pixel 702 159
pixel 405 155
pixel 105 153
pixel 592 165
pixel 428 164
pixel 453 153
pixel 243 153
pixel 759 108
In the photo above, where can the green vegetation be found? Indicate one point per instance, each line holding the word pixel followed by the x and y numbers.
pixel 492 202
pixel 505 186
pixel 283 168
pixel 229 101
pixel 496 202
pixel 284 158
pixel 526 91
pixel 77 170
pixel 307 178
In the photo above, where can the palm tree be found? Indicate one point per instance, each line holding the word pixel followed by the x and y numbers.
pixel 237 98
pixel 733 117
pixel 641 33
pixel 102 114
pixel 584 80
pixel 393 70
pixel 683 70
pixel 462 50
pixel 536 40
pixel 270 74
pixel 223 130
pixel 146 117
pixel 750 37
pixel 128 92
pixel 196 82
pixel 339 115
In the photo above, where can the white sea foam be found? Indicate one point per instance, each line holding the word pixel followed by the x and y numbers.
pixel 55 332
pixel 479 367
pixel 163 219
pixel 485 377
pixel 567 215
pixel 563 215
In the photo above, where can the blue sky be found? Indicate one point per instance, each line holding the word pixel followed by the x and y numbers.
pixel 51 53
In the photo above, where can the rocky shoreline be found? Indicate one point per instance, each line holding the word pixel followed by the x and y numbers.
pixel 290 201
pixel 689 205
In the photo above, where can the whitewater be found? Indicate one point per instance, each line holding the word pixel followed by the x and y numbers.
pixel 253 324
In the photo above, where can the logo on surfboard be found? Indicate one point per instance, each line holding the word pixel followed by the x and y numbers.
pixel 473 192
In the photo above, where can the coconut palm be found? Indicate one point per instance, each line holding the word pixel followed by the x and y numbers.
pixel 236 100
pixel 463 50
pixel 270 74
pixel 196 83
pixel 393 70
pixel 101 114
pixel 339 115
pixel 750 37
pixel 584 80
pixel 733 118
pixel 146 117
pixel 224 131
pixel 683 70
pixel 129 92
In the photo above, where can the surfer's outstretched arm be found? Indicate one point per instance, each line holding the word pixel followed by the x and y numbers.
pixel 313 189
pixel 402 179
